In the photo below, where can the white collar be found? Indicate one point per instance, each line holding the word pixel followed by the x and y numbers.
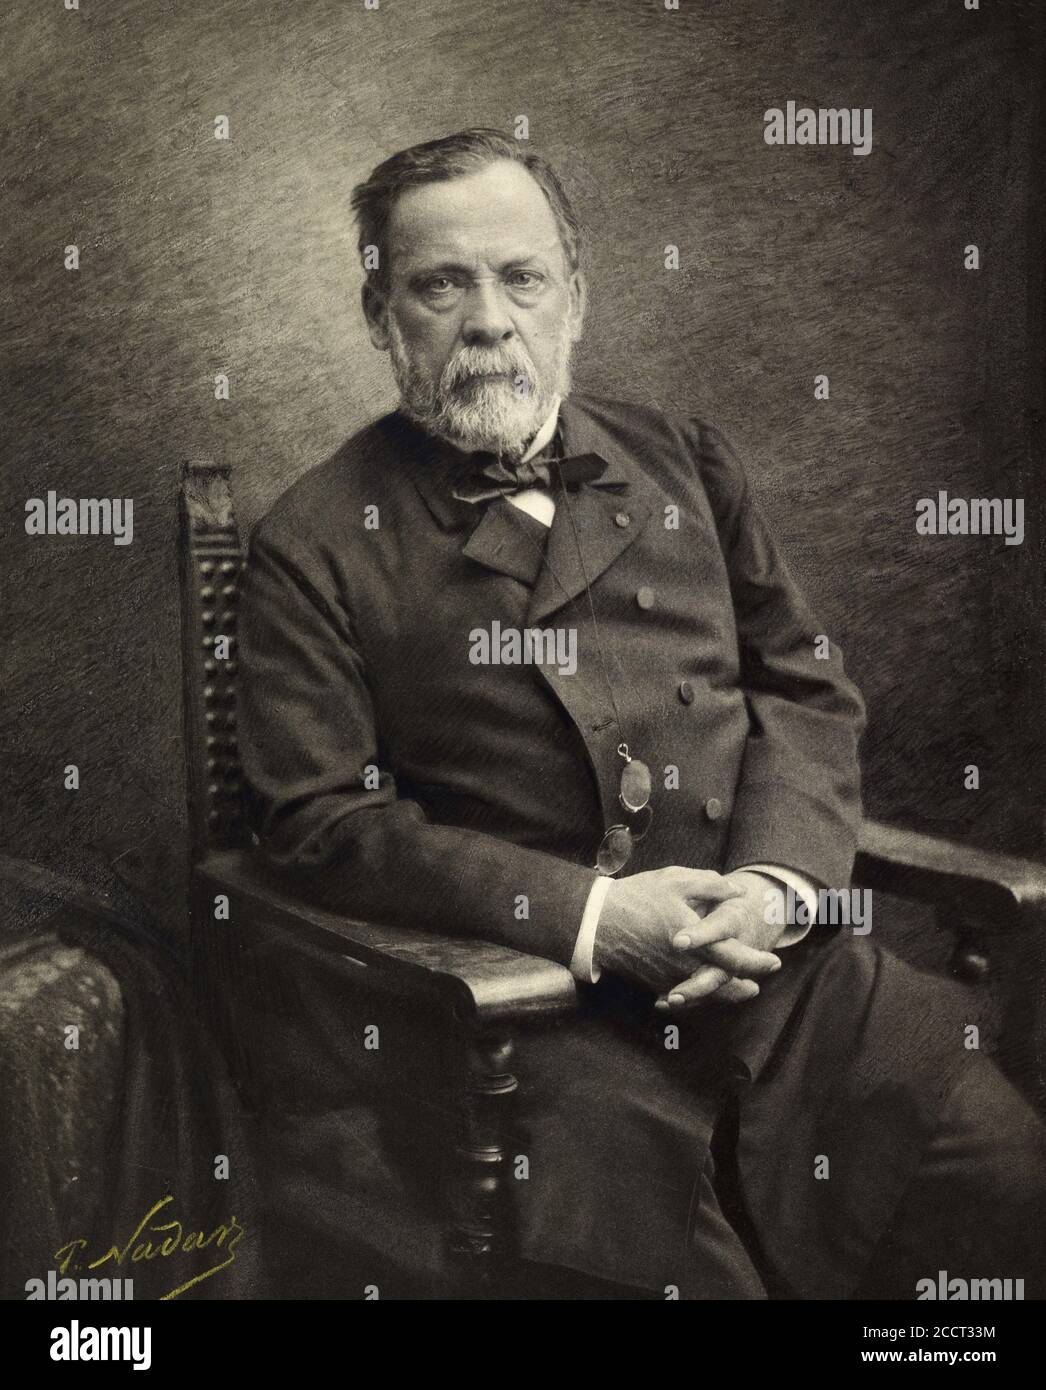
pixel 545 433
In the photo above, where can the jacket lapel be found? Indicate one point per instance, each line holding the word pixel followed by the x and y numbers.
pixel 587 535
pixel 496 535
pixel 594 525
pixel 504 542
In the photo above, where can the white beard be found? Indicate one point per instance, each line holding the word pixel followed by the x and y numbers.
pixel 474 412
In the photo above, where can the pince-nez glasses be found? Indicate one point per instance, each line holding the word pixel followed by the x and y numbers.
pixel 616 847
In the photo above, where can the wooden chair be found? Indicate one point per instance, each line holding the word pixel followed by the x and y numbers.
pixel 470 995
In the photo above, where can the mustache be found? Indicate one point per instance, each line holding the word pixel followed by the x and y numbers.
pixel 473 362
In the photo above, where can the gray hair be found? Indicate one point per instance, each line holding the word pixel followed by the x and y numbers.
pixel 452 157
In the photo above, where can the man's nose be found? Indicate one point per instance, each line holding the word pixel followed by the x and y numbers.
pixel 487 320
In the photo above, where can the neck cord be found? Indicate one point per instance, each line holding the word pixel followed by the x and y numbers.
pixel 622 748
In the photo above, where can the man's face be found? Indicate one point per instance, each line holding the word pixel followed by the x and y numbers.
pixel 482 310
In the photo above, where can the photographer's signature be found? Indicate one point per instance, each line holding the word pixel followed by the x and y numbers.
pixel 224 1238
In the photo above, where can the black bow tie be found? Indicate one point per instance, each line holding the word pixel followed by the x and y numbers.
pixel 487 477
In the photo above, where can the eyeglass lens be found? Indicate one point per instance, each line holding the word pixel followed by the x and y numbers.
pixel 616 847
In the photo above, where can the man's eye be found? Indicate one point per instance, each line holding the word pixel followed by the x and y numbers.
pixel 524 279
pixel 439 284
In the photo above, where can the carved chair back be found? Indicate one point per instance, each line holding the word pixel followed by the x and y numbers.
pixel 211 560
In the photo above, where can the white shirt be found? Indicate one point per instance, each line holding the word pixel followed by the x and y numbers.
pixel 539 503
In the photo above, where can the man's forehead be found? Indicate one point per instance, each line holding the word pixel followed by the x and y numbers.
pixel 499 213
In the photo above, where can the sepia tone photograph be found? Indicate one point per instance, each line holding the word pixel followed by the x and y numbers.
pixel 523 770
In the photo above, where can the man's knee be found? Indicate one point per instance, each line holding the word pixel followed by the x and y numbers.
pixel 989 1140
pixel 976 1206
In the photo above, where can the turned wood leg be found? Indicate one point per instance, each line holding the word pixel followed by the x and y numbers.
pixel 482 1239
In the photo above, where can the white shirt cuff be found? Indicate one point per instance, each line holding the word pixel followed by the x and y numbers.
pixel 582 966
pixel 800 886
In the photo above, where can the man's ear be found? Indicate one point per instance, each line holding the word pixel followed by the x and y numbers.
pixel 376 312
pixel 578 304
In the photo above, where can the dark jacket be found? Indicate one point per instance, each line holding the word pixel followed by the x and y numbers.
pixel 498 781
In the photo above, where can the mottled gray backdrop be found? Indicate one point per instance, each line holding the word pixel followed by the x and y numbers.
pixel 199 257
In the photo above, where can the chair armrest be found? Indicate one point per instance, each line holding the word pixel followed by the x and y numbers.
pixel 479 981
pixel 1003 892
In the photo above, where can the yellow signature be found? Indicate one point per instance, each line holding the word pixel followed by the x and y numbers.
pixel 222 1237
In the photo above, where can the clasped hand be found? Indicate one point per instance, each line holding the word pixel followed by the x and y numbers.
pixel 690 934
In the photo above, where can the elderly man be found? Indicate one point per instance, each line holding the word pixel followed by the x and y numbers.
pixel 527 665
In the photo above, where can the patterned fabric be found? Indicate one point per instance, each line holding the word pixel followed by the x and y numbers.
pixel 95 1136
pixel 59 1102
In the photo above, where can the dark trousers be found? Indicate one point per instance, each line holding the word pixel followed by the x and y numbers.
pixel 976 1207
pixel 634 1160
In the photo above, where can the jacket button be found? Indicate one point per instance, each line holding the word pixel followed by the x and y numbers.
pixel 686 692
pixel 622 519
pixel 645 597
pixel 713 808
